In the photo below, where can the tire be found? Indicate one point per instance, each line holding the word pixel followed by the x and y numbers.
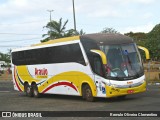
pixel 28 90
pixel 35 91
pixel 87 93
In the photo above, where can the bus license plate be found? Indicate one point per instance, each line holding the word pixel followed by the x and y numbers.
pixel 130 91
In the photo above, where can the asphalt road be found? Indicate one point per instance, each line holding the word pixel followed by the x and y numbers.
pixel 11 100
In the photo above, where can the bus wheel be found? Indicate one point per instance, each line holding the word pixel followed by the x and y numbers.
pixel 87 93
pixel 35 91
pixel 28 90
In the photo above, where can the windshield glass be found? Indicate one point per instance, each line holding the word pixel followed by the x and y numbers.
pixel 123 61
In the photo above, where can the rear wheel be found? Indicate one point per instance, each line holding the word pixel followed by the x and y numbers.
pixel 35 91
pixel 28 90
pixel 87 93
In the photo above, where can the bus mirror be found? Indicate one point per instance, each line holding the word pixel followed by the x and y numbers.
pixel 146 52
pixel 101 54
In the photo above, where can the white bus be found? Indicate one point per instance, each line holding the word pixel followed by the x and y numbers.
pixel 93 65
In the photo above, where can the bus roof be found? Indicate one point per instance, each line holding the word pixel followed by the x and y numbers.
pixel 45 44
pixel 99 38
pixel 58 40
pixel 107 38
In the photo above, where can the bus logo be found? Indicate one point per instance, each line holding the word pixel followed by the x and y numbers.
pixel 41 73
pixel 130 82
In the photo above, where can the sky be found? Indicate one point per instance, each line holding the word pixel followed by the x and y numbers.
pixel 22 21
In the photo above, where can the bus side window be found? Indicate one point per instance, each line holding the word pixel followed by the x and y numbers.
pixel 77 55
pixel 98 69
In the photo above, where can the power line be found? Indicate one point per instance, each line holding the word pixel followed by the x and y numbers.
pixel 24 22
pixel 19 40
pixel 18 34
pixel 11 46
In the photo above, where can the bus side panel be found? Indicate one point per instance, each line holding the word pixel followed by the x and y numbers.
pixel 60 78
pixel 65 79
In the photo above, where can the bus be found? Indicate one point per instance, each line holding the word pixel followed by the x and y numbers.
pixel 91 65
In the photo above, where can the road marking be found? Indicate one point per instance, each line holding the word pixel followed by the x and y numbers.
pixel 4 91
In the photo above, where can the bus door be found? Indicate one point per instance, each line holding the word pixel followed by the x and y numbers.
pixel 99 75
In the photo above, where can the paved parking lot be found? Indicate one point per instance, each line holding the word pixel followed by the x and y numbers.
pixel 11 100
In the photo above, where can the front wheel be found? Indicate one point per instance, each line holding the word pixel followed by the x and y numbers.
pixel 87 93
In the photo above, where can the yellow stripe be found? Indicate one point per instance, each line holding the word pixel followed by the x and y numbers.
pixel 77 78
pixel 103 56
pixel 146 51
pixel 58 40
pixel 113 92
pixel 25 75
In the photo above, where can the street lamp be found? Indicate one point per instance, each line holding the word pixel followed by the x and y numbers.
pixel 74 16
pixel 50 11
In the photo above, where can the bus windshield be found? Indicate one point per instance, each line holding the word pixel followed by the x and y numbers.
pixel 123 61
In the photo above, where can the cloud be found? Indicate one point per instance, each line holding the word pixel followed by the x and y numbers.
pixel 135 1
pixel 104 14
pixel 20 16
pixel 139 28
pixel 110 9
pixel 147 15
pixel 143 1
pixel 22 9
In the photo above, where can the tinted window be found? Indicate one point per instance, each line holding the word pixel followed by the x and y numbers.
pixel 57 54
pixel 89 44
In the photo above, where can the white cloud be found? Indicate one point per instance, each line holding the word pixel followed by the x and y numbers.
pixel 144 1
pixel 147 15
pixel 91 15
pixel 22 9
pixel 135 1
pixel 19 3
pixel 104 14
pixel 139 28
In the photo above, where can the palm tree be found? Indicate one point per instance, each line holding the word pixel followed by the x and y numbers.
pixel 57 30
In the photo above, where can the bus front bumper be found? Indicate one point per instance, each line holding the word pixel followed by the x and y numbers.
pixel 114 92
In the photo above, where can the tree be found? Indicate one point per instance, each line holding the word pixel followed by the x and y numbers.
pixel 55 29
pixel 149 40
pixel 109 30
pixel 5 57
pixel 139 36
pixel 58 30
pixel 81 32
pixel 153 42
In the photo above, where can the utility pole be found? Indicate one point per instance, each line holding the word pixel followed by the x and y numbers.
pixel 74 16
pixel 50 11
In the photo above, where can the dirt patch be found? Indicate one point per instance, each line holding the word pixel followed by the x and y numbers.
pixel 6 76
pixel 152 77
